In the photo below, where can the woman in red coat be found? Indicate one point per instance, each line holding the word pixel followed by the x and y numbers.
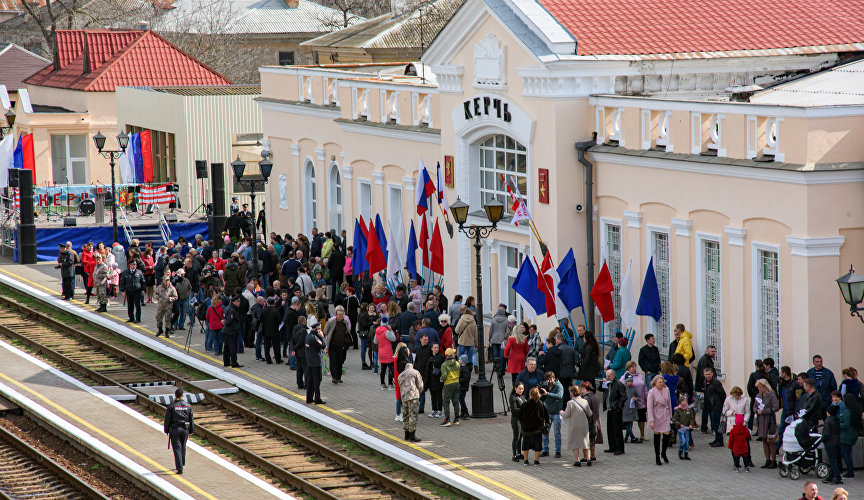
pixel 89 262
pixel 446 333
pixel 516 351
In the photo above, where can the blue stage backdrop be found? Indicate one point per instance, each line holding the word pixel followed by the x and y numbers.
pixel 48 239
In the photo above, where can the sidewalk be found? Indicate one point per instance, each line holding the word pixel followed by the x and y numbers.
pixel 478 450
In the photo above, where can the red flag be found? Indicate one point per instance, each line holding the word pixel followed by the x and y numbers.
pixel 363 226
pixel 374 255
pixel 147 155
pixel 29 157
pixel 602 294
pixel 424 242
pixel 436 248
pixel 545 284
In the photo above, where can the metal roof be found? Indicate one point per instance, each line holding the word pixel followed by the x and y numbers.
pixel 843 85
pixel 210 91
pixel 257 16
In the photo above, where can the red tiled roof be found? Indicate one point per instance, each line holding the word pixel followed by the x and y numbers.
pixel 121 58
pixel 604 27
pixel 16 64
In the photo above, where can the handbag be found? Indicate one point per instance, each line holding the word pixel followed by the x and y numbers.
pixel 722 428
pixel 592 429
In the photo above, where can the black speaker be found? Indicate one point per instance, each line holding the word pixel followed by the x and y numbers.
pixel 169 218
pixel 200 169
pixel 216 222
pixel 169 188
pixel 70 222
pixel 13 177
pixel 27 224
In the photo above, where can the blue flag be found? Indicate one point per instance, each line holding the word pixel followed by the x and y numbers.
pixel 18 155
pixel 411 259
pixel 569 289
pixel 649 298
pixel 530 297
pixel 358 259
pixel 382 238
pixel 136 157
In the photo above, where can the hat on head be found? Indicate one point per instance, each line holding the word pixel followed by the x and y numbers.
pixel 628 376
pixel 739 419
pixel 619 335
pixel 236 297
pixel 385 320
pixel 463 359
pixel 295 300
pixel 511 319
pixel 178 393
pixel 449 352
pixel 225 301
pixel 271 300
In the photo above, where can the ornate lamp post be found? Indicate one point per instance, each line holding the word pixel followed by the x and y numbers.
pixel 481 390
pixel 10 118
pixel 111 155
pixel 252 185
pixel 852 288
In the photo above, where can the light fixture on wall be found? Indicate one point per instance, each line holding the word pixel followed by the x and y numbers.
pixel 852 288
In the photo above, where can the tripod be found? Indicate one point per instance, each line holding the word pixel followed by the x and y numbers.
pixel 203 205
pixel 498 373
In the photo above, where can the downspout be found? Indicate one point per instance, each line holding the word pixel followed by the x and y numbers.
pixel 581 147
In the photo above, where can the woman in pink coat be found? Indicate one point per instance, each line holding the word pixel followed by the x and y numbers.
pixel 385 338
pixel 659 409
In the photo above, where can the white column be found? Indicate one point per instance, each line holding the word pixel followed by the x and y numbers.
pixel 296 222
pixel 347 194
pixel 379 203
pixel 681 274
pixel 735 332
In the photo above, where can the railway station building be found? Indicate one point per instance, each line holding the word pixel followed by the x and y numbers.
pixel 749 201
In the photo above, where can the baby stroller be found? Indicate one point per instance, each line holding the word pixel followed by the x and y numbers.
pixel 800 451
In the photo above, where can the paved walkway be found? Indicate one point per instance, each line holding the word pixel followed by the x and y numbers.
pixel 480 449
pixel 121 433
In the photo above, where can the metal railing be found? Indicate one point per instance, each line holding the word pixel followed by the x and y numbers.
pixel 164 228
pixel 127 228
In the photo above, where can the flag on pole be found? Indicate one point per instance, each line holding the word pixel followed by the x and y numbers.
pixel 511 181
pixel 602 294
pixel 628 304
pixel 358 258
pixel 531 299
pixel 649 297
pixel 424 242
pixel 374 255
pixel 24 157
pixel 7 159
pixel 569 288
pixel 137 159
pixel 547 282
pixel 424 189
pixel 146 156
pixel 436 249
pixel 126 166
pixel 442 193
pixel 411 254
pixel 363 226
pixel 396 257
pixel 382 237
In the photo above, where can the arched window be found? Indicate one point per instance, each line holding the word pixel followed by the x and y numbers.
pixel 502 155
pixel 310 197
pixel 334 184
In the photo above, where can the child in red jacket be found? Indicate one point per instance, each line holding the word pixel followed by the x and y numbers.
pixel 738 443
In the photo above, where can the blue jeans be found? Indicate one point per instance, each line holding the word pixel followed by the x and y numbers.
pixel 684 439
pixel 259 340
pixel 181 318
pixel 265 280
pixel 470 351
pixel 628 431
pixel 556 428
pixel 846 453
pixel 398 406
pixel 462 404
pixel 217 341
pixel 364 346
pixel 292 360
pixel 208 340
pixel 423 405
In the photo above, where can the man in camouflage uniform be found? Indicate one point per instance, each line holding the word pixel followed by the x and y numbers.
pixel 165 296
pixel 100 280
pixel 411 386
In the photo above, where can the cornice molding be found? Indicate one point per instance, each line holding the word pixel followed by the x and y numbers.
pixel 815 247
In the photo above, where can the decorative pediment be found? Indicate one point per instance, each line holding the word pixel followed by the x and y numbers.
pixel 490 59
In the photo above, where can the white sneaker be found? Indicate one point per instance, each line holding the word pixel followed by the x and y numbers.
pixel 398 418
pixel 431 414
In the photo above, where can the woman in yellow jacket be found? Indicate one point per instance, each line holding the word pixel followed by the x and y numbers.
pixel 685 347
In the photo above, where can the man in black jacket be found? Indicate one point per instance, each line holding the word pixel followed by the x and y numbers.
pixel 230 333
pixel 568 364
pixel 811 402
pixel 715 395
pixel 298 350
pixel 179 423
pixel 550 361
pixel 313 347
pixel 616 396
pixel 131 285
pixel 649 358
pixel 352 310
pixel 336 263
pixel 288 322
pixel 270 320
pixel 706 362
pixel 422 355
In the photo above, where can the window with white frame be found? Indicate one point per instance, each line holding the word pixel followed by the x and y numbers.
pixel 768 295
pixel 394 205
pixel 613 261
pixel 712 312
pixel 69 159
pixel 502 155
pixel 334 183
pixel 310 197
pixel 364 199
pixel 660 252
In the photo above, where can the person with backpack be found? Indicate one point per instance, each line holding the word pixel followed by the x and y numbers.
pixel 66 264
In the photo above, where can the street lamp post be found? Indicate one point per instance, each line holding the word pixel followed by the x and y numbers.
pixel 852 288
pixel 111 155
pixel 266 167
pixel 481 390
pixel 10 119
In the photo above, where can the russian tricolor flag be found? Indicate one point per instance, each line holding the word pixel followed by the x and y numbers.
pixel 425 189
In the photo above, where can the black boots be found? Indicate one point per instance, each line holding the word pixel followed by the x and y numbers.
pixel 407 436
pixel 772 464
pixel 680 455
pixel 159 332
pixel 665 439
pixel 657 449
pixel 410 436
pixel 102 308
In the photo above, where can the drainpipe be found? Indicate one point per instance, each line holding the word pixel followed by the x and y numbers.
pixel 581 147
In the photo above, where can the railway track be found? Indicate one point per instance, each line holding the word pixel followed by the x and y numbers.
pixel 292 458
pixel 26 473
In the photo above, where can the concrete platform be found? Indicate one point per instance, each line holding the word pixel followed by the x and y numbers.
pixel 116 392
pixel 477 451
pixel 120 433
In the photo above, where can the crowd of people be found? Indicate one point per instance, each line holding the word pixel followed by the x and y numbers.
pixel 305 308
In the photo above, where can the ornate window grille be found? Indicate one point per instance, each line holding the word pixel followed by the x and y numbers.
pixel 613 260
pixel 769 304
pixel 660 244
pixel 712 311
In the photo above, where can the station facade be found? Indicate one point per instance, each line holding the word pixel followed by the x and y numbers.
pixel 737 203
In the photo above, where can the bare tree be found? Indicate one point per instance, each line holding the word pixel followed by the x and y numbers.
pixel 348 12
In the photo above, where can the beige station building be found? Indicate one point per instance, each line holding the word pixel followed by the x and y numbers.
pixel 711 151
